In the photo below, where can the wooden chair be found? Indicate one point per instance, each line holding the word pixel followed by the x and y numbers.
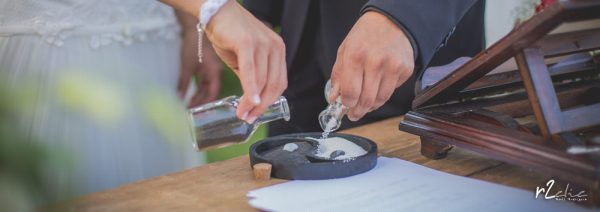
pixel 531 115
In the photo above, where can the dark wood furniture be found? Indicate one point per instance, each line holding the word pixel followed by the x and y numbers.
pixel 530 116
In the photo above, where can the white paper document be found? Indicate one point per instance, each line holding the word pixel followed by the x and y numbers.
pixel 398 185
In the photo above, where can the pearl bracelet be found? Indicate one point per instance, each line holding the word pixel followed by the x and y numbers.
pixel 207 10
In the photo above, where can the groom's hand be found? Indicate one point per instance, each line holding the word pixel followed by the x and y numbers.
pixel 374 59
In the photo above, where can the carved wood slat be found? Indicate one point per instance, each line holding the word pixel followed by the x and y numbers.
pixel 571 42
pixel 540 91
pixel 517 104
pixel 504 144
pixel 512 79
pixel 577 118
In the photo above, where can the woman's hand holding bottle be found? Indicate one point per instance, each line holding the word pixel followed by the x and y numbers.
pixel 250 48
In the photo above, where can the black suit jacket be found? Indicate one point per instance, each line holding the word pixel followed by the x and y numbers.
pixel 429 23
pixel 440 31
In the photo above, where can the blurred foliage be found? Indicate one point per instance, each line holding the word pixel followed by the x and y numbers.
pixel 231 86
pixel 167 115
pixel 37 171
pixel 107 103
pixel 596 56
pixel 23 160
pixel 91 96
pixel 26 161
pixel 525 11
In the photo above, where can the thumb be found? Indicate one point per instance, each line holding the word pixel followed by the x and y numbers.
pixel 335 84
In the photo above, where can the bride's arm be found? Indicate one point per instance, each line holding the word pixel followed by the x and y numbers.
pixel 207 74
pixel 251 49
pixel 191 7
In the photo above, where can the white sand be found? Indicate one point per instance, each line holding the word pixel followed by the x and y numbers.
pixel 290 147
pixel 329 145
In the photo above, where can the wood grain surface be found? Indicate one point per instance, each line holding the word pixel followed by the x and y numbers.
pixel 222 186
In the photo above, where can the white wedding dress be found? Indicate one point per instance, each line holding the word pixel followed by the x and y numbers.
pixel 102 72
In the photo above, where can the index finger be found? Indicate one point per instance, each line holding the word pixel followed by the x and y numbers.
pixel 247 75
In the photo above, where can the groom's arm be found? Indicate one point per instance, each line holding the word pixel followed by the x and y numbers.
pixel 389 41
pixel 427 23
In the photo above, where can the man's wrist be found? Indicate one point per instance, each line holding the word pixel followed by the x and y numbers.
pixel 398 24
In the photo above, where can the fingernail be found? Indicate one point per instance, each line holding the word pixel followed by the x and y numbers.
pixel 244 116
pixel 251 119
pixel 351 118
pixel 256 99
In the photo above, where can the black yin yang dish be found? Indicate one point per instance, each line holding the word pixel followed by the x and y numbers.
pixel 303 164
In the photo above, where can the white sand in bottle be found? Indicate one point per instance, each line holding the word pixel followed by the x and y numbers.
pixel 328 127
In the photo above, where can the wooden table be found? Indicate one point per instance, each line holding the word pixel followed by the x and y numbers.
pixel 222 186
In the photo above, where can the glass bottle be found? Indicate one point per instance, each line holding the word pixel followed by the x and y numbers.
pixel 216 125
pixel 330 119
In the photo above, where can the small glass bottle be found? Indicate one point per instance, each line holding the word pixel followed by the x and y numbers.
pixel 216 125
pixel 330 119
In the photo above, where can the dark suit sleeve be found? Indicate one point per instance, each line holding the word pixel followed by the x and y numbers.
pixel 427 23
pixel 266 10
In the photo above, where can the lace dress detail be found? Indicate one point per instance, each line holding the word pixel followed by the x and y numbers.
pixel 103 21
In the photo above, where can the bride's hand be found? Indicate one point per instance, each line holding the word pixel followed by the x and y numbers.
pixel 251 49
pixel 254 52
pixel 206 74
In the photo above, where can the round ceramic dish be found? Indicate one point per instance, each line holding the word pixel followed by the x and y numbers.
pixel 302 164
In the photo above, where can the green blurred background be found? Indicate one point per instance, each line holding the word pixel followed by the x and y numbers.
pixel 230 85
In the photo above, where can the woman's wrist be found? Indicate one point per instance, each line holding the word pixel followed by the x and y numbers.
pixel 207 10
pixel 191 7
pixel 228 7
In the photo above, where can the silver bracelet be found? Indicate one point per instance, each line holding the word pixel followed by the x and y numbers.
pixel 207 10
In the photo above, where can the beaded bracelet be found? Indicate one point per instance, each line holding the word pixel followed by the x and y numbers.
pixel 207 10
